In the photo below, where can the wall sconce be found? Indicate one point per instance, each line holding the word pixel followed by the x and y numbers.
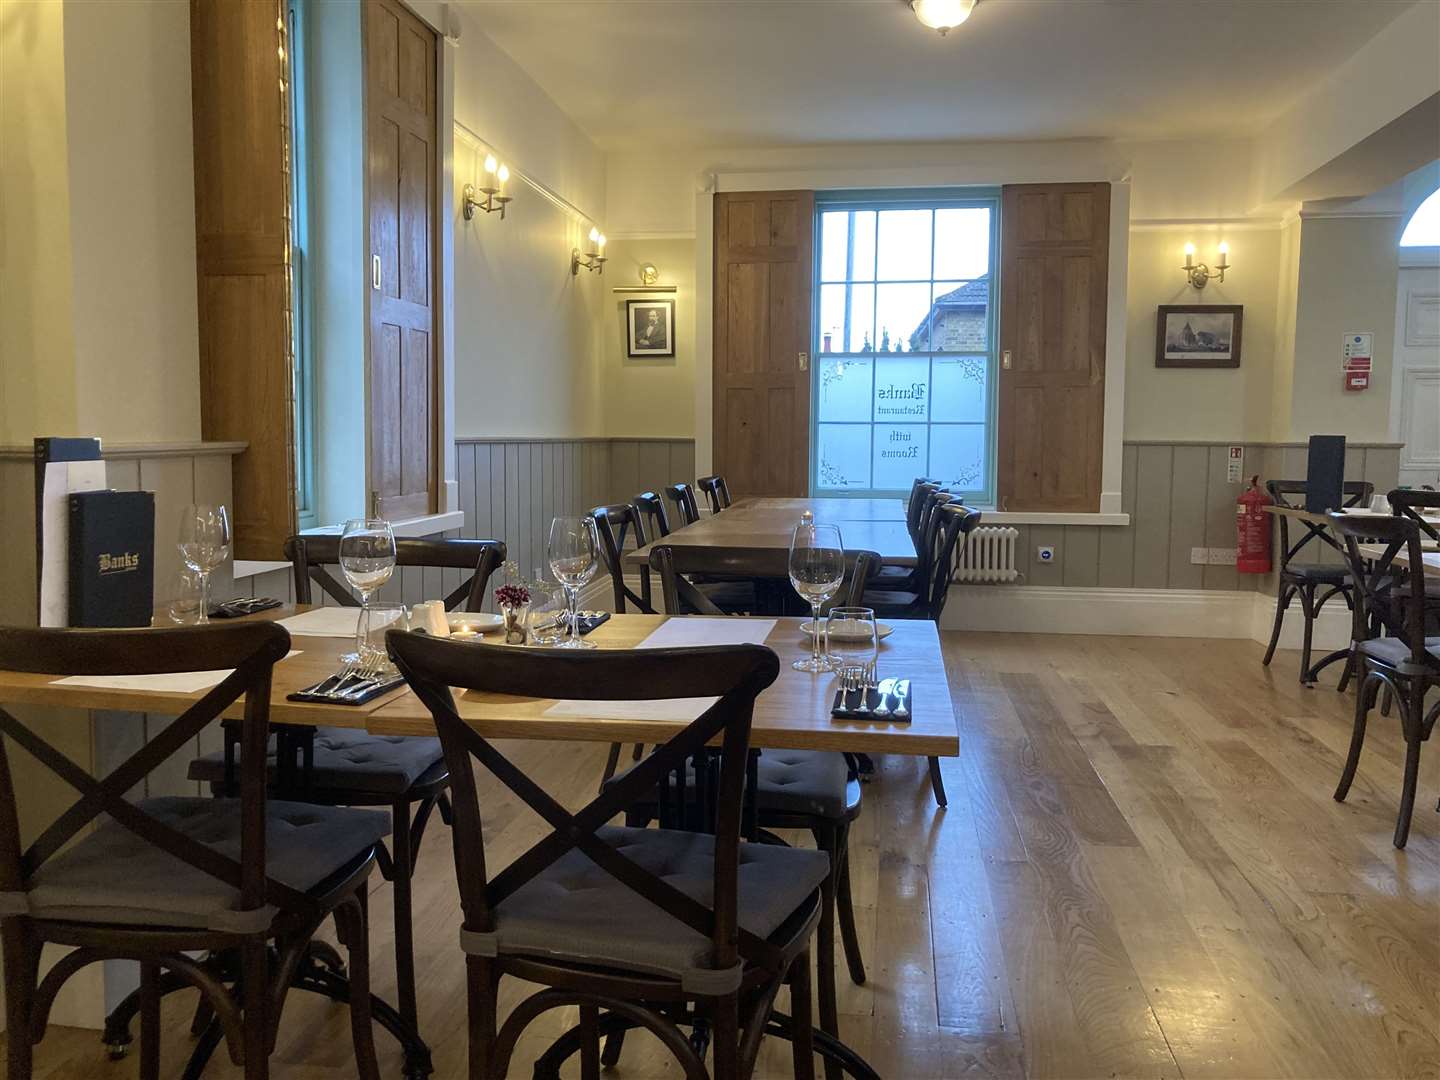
pixel 1199 274
pixel 594 259
pixel 649 274
pixel 494 190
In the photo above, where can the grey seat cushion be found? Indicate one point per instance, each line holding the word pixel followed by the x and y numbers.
pixel 349 759
pixel 794 782
pixel 1324 574
pixel 114 876
pixel 575 911
pixel 1393 651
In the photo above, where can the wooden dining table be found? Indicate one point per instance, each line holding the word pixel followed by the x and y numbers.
pixel 763 527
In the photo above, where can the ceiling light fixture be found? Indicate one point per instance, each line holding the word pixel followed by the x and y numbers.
pixel 942 15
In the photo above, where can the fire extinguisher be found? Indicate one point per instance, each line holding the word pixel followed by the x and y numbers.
pixel 1252 530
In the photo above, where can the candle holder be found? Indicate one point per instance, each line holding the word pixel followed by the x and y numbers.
pixel 1199 274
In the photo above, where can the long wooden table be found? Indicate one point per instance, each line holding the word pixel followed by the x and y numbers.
pixel 794 713
pixel 764 527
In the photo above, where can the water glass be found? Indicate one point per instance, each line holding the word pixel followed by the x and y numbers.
pixel 548 606
pixel 817 569
pixel 851 644
pixel 204 544
pixel 375 620
pixel 185 598
pixel 573 552
pixel 367 559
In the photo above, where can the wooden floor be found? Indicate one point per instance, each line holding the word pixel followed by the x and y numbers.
pixel 1142 873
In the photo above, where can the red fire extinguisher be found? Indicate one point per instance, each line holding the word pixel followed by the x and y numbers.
pixel 1252 530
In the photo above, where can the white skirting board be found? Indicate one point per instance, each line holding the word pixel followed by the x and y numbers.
pixel 1190 613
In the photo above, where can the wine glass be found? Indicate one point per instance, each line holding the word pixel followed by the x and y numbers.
pixel 573 551
pixel 817 568
pixel 367 559
pixel 204 545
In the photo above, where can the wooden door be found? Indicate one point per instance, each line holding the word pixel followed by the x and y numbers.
pixel 1054 259
pixel 400 59
pixel 763 280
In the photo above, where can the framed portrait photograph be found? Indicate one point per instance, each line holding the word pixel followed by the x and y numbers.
pixel 1198 335
pixel 650 328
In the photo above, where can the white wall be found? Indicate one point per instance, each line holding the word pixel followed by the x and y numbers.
pixel 654 396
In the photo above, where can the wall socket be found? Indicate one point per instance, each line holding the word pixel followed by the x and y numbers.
pixel 1045 553
pixel 1212 556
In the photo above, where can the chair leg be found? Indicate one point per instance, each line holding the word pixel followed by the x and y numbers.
pixel 1364 698
pixel 611 764
pixel 403 862
pixel 802 1043
pixel 442 803
pixel 825 840
pixel 481 1002
pixel 352 924
pixel 1307 608
pixel 589 1042
pixel 21 971
pixel 1407 791
pixel 726 1038
pixel 255 989
pixel 937 784
pixel 149 1022
pixel 1282 601
pixel 846 910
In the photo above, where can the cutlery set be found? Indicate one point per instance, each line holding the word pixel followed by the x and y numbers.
pixel 887 700
pixel 354 684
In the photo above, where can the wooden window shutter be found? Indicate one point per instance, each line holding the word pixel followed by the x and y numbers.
pixel 242 243
pixel 1054 263
pixel 763 280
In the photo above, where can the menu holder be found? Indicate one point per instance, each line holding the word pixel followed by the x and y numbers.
pixel 1325 474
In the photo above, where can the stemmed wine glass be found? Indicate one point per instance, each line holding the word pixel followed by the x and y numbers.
pixel 817 568
pixel 367 559
pixel 573 553
pixel 204 545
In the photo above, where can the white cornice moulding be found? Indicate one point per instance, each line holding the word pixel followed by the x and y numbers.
pixel 1320 215
pixel 642 234
pixel 1228 224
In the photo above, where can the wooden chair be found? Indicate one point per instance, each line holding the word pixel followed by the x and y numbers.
pixel 815 790
pixel 346 767
pixel 651 508
pixel 1403 661
pixel 683 496
pixel 164 880
pixel 943 527
pixel 614 525
pixel 1409 502
pixel 1313 582
pixel 585 912
pixel 717 492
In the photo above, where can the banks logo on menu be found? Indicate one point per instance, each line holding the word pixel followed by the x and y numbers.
pixel 119 564
pixel 112 558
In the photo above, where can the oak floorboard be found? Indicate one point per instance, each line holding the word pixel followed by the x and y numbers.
pixel 1142 873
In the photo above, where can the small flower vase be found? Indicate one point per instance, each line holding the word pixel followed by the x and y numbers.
pixel 515 620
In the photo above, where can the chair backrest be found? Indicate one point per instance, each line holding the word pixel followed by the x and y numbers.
pixel 951 521
pixel 652 507
pixel 1386 592
pixel 734 674
pixel 683 598
pixel 717 492
pixel 251 649
pixel 613 525
pixel 919 492
pixel 1356 492
pixel 309 555
pixel 683 496
pixel 1408 502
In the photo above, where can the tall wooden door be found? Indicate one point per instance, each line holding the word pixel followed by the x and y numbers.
pixel 763 280
pixel 1054 263
pixel 400 58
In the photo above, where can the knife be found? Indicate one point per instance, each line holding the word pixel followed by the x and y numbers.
pixel 886 686
pixel 902 700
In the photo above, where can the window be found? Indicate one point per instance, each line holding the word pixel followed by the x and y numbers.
pixel 904 379
pixel 1423 229
pixel 301 346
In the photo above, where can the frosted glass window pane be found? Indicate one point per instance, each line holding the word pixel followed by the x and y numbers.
pixel 957 453
pixel 900 453
pixel 962 243
pixel 960 317
pixel 902 389
pixel 843 306
pixel 843 453
pixel 905 245
pixel 958 389
pixel 846 388
pixel 901 313
pixel 862 266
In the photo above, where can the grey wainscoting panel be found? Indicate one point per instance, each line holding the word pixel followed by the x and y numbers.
pixel 1053 572
pixel 1219 528
pixel 1189 481
pixel 1080 557
pixel 1154 482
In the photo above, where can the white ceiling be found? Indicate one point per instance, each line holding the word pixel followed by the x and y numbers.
pixel 654 74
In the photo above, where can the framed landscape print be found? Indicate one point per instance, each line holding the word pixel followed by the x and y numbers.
pixel 1198 335
pixel 649 328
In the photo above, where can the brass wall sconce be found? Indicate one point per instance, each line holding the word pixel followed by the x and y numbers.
pixel 594 259
pixel 649 274
pixel 497 173
pixel 1199 274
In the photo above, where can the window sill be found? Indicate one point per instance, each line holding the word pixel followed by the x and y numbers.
pixel 429 525
pixel 1043 517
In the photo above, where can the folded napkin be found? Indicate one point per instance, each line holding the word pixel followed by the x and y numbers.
pixel 180 682
pixel 324 622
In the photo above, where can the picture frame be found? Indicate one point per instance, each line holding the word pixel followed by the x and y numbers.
pixel 1198 335
pixel 649 329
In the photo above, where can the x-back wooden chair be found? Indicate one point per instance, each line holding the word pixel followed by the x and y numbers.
pixel 683 496
pixel 717 492
pixel 166 878
pixel 652 928
pixel 311 554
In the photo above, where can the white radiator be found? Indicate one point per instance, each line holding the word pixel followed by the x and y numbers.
pixel 989 555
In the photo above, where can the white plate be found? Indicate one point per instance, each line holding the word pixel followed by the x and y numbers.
pixel 479 621
pixel 881 631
